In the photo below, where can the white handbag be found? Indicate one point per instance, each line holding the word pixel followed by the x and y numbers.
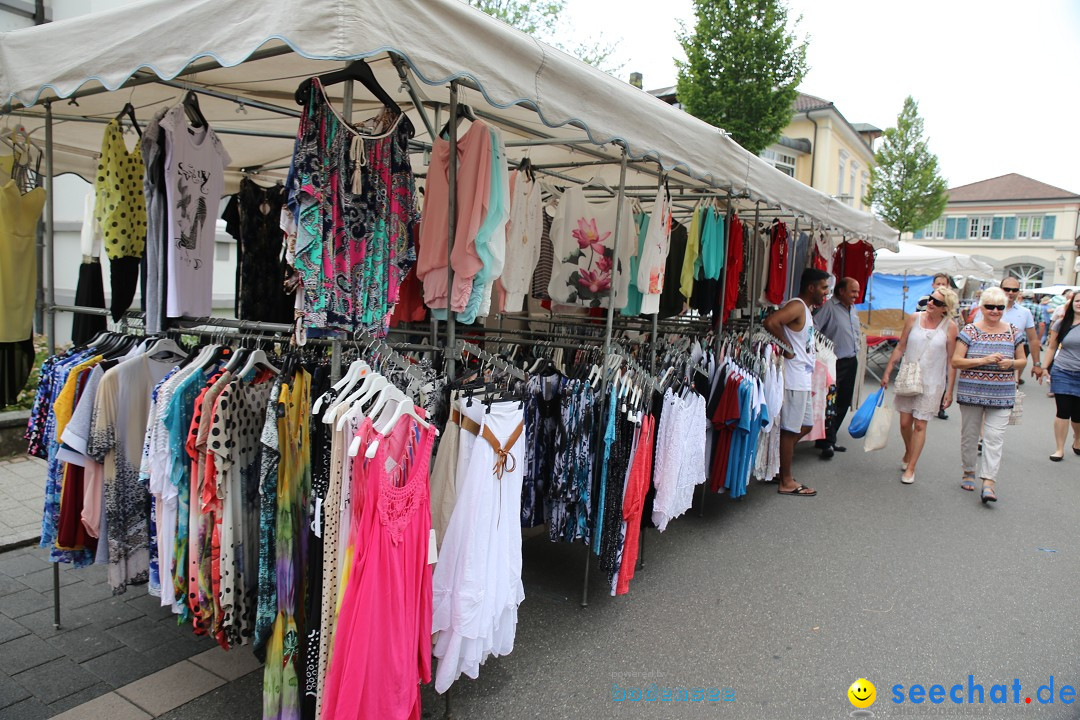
pixel 909 379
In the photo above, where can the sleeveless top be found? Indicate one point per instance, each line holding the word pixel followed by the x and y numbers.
pixel 927 346
pixel 799 370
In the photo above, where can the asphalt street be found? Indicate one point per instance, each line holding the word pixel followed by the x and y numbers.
pixel 785 602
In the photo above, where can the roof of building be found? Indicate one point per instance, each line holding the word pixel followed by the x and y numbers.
pixel 1008 187
pixel 865 128
pixel 806 102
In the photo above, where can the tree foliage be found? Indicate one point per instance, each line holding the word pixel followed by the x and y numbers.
pixel 543 19
pixel 743 68
pixel 906 187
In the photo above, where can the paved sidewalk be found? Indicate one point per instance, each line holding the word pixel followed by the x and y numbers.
pixel 115 658
pixel 22 495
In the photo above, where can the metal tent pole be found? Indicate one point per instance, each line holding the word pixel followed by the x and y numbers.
pixel 451 328
pixel 610 320
pixel 755 278
pixel 50 292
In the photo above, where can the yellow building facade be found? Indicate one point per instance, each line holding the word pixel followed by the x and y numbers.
pixel 820 148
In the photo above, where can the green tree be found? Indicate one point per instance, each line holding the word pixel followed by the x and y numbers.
pixel 743 68
pixel 906 188
pixel 544 20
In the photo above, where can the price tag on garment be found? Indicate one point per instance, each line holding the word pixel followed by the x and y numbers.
pixel 432 550
pixel 316 520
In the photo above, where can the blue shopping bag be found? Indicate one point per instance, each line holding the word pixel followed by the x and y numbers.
pixel 860 421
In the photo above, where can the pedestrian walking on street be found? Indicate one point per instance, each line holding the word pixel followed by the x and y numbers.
pixel 1064 368
pixel 941 280
pixel 794 323
pixel 838 321
pixel 988 354
pixel 928 339
pixel 1021 317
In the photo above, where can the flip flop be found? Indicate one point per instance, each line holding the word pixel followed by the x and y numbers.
pixel 968 484
pixel 798 492
pixel 988 494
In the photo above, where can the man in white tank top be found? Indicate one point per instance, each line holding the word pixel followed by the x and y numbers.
pixel 794 324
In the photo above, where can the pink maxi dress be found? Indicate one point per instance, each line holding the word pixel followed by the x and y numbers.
pixel 382 644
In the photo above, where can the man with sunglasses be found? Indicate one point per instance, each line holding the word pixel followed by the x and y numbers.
pixel 1020 316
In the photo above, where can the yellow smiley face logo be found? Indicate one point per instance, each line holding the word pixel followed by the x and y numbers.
pixel 862 693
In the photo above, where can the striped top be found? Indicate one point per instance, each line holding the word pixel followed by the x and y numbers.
pixel 988 385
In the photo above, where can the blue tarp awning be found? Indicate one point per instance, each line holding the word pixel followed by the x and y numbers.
pixel 886 292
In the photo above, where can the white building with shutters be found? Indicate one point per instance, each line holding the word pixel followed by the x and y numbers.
pixel 1023 227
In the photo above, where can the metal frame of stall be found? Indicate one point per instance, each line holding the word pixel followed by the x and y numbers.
pixel 698 190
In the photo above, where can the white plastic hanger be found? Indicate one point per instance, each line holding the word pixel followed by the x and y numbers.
pixel 166 348
pixel 349 400
pixel 377 383
pixel 356 370
pixel 258 358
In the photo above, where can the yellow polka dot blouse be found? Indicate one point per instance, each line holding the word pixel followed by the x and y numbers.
pixel 120 206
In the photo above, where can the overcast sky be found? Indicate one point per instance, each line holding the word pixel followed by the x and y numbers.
pixel 998 83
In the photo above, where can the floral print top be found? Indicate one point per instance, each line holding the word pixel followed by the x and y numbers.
pixel 587 269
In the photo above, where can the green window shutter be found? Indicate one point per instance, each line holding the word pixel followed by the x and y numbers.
pixel 961 228
pixel 996 228
pixel 918 235
pixel 950 228
pixel 1010 228
pixel 1048 227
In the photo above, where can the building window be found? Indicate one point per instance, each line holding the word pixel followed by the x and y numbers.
pixel 222 251
pixel 851 183
pixel 973 226
pixel 862 188
pixel 935 230
pixel 840 174
pixel 781 161
pixel 1029 227
pixel 1029 276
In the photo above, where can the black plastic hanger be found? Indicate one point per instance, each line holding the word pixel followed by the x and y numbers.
pixel 193 111
pixel 359 71
pixel 129 111
pixel 526 167
pixel 464 112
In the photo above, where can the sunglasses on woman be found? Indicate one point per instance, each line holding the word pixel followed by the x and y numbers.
pixel 999 308
pixel 936 302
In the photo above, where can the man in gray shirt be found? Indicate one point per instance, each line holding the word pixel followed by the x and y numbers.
pixel 838 321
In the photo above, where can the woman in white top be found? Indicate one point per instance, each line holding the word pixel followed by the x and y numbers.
pixel 928 339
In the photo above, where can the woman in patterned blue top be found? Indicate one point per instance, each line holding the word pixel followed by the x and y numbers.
pixel 988 353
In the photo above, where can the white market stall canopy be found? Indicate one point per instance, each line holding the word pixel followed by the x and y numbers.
pixel 250 55
pixel 913 259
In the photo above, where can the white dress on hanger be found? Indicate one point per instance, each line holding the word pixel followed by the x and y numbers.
pixel 477 581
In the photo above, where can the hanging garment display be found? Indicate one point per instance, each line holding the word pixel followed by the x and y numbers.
pixel 195 162
pixel 90 290
pixel 583 238
pixel 652 261
pixel 854 260
pixel 477 581
pixel 776 287
pixel 350 207
pixel 523 240
pixel 734 265
pixel 253 218
pixel 19 213
pixel 473 197
pixel 120 211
